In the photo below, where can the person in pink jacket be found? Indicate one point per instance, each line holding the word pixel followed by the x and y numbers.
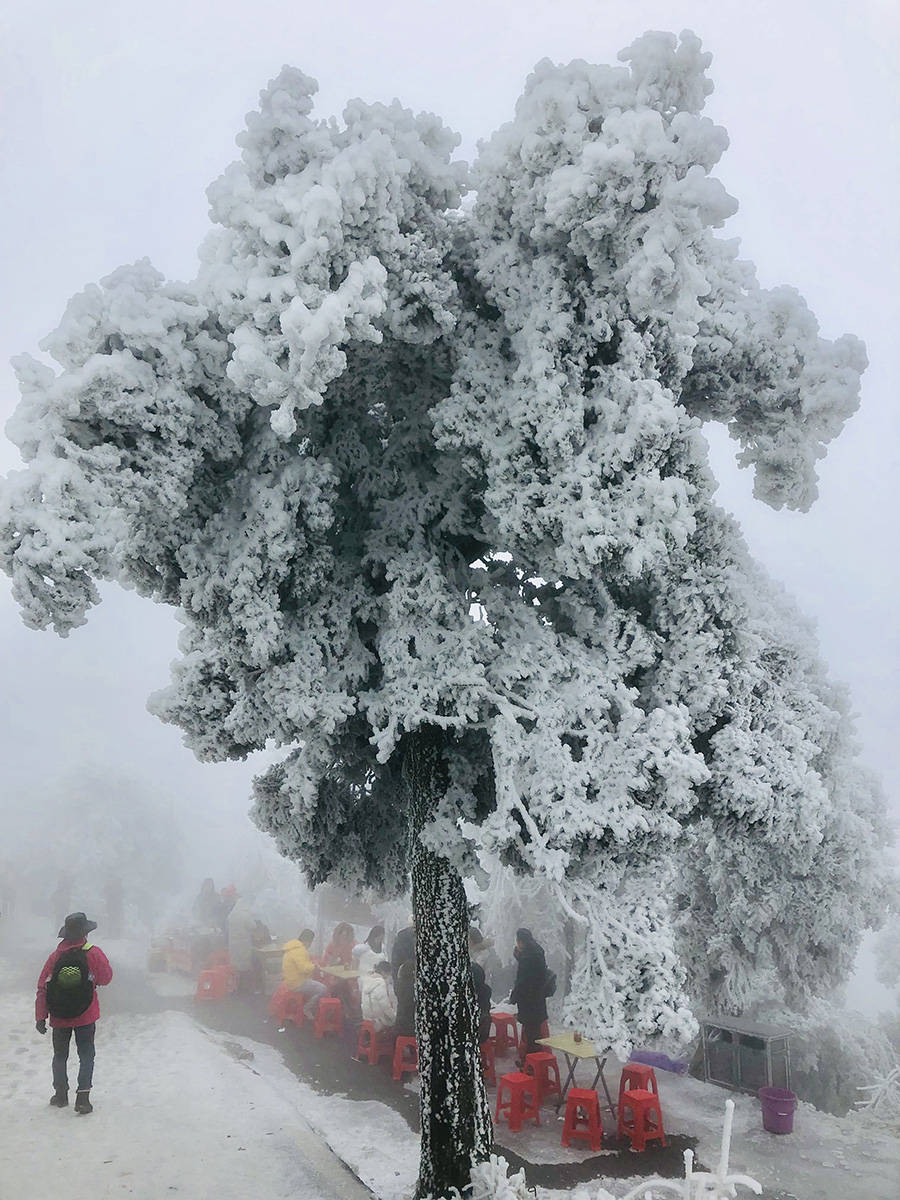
pixel 67 994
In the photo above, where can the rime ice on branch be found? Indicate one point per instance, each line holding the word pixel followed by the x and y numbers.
pixel 374 413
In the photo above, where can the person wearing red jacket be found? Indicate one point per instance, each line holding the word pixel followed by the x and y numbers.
pixel 74 937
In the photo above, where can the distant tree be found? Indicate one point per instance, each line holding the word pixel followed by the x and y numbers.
pixel 428 486
pixel 98 824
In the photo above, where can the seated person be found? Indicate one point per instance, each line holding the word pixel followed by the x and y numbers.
pixel 339 951
pixel 378 1003
pixel 297 970
pixel 405 991
pixel 370 952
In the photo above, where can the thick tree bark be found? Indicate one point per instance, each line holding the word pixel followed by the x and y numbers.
pixel 456 1117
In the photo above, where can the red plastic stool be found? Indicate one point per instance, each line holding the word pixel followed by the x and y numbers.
pixel 544 1067
pixel 215 983
pixel 506 1032
pixel 369 1045
pixel 401 1062
pixel 545 1029
pixel 286 1005
pixel 488 1062
pixel 583 1118
pixel 641 1127
pixel 329 1016
pixel 637 1077
pixel 522 1103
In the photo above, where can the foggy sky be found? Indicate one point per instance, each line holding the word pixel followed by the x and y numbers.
pixel 116 116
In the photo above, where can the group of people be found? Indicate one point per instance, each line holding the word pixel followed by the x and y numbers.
pixel 385 994
pixel 228 916
pixel 385 990
pixel 67 985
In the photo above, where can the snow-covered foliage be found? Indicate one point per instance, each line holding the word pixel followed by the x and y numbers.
pixel 491 1181
pixel 881 1099
pixel 374 413
pixel 785 866
pixel 834 1051
pixel 887 953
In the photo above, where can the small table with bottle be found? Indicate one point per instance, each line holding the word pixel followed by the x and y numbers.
pixel 575 1047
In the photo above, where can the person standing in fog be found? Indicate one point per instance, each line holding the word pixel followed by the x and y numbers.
pixel 208 910
pixel 67 994
pixel 529 993
pixel 405 991
pixel 404 948
pixel 241 929
pixel 479 946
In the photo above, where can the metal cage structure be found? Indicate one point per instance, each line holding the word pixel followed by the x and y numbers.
pixel 744 1055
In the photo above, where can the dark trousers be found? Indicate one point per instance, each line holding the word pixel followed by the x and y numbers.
pixel 531 1031
pixel 84 1044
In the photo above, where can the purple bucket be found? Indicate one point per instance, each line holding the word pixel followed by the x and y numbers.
pixel 778 1106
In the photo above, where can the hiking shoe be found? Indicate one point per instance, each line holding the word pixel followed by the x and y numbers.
pixel 83 1102
pixel 60 1099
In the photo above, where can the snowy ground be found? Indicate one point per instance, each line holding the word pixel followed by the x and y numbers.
pixel 178 1112
pixel 854 1158
pixel 851 1158
pixel 184 1111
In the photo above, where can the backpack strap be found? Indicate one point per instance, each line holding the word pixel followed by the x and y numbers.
pixel 86 946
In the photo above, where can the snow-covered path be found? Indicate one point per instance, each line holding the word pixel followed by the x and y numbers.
pixel 179 1112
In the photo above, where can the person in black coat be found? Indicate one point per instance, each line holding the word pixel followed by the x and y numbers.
pixel 483 996
pixel 403 949
pixel 529 993
pixel 405 991
pixel 478 947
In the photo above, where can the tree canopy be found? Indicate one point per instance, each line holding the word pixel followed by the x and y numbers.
pixel 420 448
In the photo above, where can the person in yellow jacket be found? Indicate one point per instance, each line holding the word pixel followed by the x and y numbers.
pixel 297 969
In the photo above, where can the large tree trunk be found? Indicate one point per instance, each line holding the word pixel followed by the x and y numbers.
pixel 456 1117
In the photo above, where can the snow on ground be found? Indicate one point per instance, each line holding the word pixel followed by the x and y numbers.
pixel 186 1112
pixel 825 1158
pixel 853 1158
pixel 177 1113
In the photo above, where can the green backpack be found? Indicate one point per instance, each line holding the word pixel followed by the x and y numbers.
pixel 70 989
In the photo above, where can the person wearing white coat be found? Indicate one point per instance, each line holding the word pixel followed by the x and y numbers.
pixel 377 997
pixel 370 952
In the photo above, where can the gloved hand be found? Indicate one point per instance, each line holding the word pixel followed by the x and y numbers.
pixel 41 1026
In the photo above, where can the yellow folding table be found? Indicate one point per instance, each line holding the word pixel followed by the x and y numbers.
pixel 575 1051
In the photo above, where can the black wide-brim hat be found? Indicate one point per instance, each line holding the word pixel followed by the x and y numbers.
pixel 76 926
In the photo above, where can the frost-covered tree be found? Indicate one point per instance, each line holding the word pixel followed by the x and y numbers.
pixel 96 824
pixel 427 485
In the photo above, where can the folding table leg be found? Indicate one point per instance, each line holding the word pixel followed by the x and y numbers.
pixel 600 1077
pixel 571 1063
